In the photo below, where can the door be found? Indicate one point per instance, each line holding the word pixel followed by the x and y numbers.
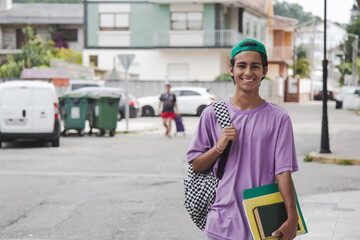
pixel 188 101
pixel 43 110
pixel 15 113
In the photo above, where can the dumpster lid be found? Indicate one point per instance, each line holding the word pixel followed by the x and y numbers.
pixel 104 95
pixel 74 95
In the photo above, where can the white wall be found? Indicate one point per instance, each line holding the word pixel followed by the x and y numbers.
pixel 204 65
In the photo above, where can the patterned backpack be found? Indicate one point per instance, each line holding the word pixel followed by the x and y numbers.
pixel 200 188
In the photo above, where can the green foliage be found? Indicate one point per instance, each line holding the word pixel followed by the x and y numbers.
pixel 353 28
pixel 292 10
pixel 224 77
pixel 36 53
pixel 307 158
pixel 302 66
pixel 344 69
pixel 345 162
pixel 65 54
pixel 301 52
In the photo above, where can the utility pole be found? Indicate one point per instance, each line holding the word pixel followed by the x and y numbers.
pixel 324 145
pixel 354 57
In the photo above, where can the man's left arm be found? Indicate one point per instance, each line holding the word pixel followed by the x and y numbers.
pixel 287 191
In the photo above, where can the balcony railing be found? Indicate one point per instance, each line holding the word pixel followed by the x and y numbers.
pixel 201 38
pixel 280 53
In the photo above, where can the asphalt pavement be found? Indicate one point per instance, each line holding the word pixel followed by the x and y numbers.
pixel 130 186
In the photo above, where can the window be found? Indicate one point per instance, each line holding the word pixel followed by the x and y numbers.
pixel 186 20
pixel 189 93
pixel 114 21
pixel 70 35
pixel 93 60
pixel 248 27
pixel 262 32
pixel 255 30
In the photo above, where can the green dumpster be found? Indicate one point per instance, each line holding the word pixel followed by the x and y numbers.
pixel 73 110
pixel 104 113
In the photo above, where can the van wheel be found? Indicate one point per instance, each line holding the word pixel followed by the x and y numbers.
pixel 0 144
pixel 56 142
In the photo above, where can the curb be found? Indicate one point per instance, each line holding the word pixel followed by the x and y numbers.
pixel 316 157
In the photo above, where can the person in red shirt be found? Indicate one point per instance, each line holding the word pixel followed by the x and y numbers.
pixel 168 101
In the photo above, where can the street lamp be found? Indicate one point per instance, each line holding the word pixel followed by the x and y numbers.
pixel 324 145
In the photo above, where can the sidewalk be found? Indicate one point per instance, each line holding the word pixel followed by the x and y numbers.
pixel 331 216
pixel 344 149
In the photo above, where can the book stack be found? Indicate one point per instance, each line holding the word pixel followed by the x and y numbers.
pixel 266 212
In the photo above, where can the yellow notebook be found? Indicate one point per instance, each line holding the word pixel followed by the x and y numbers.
pixel 265 211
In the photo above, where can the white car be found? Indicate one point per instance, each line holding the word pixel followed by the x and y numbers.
pixel 345 92
pixel 190 101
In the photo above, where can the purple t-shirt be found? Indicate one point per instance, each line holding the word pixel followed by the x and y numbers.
pixel 264 148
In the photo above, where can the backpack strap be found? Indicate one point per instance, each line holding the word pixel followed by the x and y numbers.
pixel 222 113
pixel 223 119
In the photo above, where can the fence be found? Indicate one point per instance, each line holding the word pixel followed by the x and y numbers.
pixel 270 90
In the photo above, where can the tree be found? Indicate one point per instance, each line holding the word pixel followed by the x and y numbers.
pixel 301 51
pixel 353 28
pixel 302 66
pixel 344 69
pixel 36 53
pixel 292 10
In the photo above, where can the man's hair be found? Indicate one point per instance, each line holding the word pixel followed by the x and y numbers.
pixel 262 55
pixel 168 85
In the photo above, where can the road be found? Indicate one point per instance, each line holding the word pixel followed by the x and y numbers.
pixel 130 186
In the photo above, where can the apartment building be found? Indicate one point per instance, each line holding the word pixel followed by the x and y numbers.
pixel 171 39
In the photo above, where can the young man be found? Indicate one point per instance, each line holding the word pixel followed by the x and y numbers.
pixel 262 150
pixel 168 101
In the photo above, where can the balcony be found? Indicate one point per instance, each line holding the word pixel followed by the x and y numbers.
pixel 201 38
pixel 280 53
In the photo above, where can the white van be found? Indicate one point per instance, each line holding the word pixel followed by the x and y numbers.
pixel 29 110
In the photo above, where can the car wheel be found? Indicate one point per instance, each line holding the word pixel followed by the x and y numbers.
pixel 0 144
pixel 200 110
pixel 338 104
pixel 120 116
pixel 147 111
pixel 56 142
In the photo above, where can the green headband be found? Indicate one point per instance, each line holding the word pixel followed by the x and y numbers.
pixel 238 47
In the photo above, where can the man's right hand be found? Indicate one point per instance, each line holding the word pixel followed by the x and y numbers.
pixel 227 134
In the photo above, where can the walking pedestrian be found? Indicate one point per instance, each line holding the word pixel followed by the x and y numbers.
pixel 168 101
pixel 262 150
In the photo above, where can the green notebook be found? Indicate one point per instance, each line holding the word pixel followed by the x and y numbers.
pixel 269 218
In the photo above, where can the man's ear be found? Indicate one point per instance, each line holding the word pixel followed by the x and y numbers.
pixel 231 71
pixel 266 70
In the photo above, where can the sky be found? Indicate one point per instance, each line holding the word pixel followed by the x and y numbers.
pixel 337 10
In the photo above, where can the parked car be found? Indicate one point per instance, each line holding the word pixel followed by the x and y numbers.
pixel 29 110
pixel 318 95
pixel 343 93
pixel 190 101
pixel 133 102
